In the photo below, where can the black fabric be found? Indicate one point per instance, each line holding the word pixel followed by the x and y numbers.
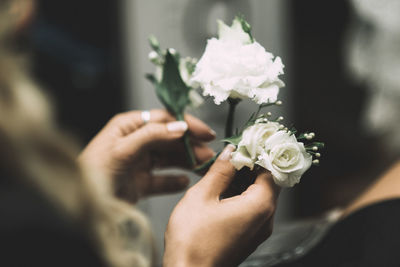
pixel 34 233
pixel 368 237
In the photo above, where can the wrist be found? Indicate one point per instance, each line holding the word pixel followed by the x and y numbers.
pixel 183 260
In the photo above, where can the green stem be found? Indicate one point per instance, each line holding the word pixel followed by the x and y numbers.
pixel 206 165
pixel 228 133
pixel 186 141
pixel 231 114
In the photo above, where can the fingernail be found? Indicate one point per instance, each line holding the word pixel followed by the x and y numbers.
pixel 212 132
pixel 177 126
pixel 226 153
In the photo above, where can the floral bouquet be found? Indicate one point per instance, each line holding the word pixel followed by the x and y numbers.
pixel 234 67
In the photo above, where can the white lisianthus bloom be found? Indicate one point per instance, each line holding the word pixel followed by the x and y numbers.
pixel 235 66
pixel 252 144
pixel 285 158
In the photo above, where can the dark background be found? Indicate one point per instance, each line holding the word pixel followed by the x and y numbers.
pixel 331 103
pixel 77 59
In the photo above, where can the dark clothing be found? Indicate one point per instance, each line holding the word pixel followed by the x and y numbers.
pixel 368 237
pixel 34 233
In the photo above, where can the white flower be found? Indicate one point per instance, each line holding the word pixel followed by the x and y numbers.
pixel 234 33
pixel 234 66
pixel 196 100
pixel 252 144
pixel 285 158
pixel 153 56
pixel 266 145
pixel 186 68
pixel 241 158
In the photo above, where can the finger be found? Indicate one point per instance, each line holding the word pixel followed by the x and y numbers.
pixel 203 153
pixel 130 121
pixel 151 134
pixel 221 173
pixel 163 184
pixel 199 130
pixel 263 194
pixel 163 154
pixel 266 183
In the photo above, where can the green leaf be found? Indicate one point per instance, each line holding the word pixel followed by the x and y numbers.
pixel 245 25
pixel 190 66
pixel 172 91
pixel 151 78
pixel 155 45
pixel 234 140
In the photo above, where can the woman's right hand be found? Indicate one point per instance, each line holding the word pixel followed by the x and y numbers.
pixel 205 230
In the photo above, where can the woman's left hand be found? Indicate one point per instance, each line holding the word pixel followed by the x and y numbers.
pixel 128 149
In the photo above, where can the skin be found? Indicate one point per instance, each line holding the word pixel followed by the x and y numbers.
pixel 128 151
pixel 205 230
pixel 384 188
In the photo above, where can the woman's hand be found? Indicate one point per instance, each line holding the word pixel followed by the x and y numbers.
pixel 127 149
pixel 205 230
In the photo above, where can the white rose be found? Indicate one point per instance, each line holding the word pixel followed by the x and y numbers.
pixel 232 66
pixel 241 158
pixel 285 158
pixel 252 144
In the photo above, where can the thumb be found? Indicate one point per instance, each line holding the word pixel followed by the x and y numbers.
pixel 221 173
pixel 151 134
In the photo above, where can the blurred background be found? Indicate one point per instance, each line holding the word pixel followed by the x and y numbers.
pixel 91 57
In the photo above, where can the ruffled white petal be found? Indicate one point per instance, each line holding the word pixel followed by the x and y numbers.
pixel 231 66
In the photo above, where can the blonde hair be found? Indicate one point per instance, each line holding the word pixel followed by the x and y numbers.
pixel 35 151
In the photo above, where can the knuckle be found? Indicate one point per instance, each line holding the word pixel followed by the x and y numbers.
pixel 221 174
pixel 161 115
pixel 152 130
pixel 117 118
pixel 222 170
pixel 264 209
